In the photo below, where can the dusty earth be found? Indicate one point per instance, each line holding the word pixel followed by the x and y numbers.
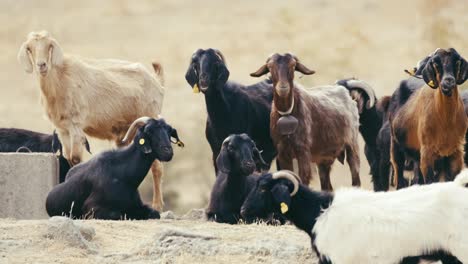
pixel 186 240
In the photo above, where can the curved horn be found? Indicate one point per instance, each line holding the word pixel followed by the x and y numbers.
pixel 133 127
pixel 358 84
pixel 289 175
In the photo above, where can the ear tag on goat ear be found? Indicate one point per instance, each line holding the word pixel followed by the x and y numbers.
pixel 196 89
pixel 431 83
pixel 180 144
pixel 284 208
pixel 142 141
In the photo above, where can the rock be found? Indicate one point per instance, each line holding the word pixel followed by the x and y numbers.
pixel 65 230
pixel 195 214
pixel 168 215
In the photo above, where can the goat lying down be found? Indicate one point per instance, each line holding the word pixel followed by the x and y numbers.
pixel 359 226
pixel 106 186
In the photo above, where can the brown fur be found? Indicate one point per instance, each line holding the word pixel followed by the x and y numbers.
pixel 328 123
pixel 435 126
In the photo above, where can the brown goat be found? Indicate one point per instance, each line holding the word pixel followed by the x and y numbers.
pixel 432 123
pixel 327 126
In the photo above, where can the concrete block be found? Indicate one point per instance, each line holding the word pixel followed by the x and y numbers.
pixel 25 181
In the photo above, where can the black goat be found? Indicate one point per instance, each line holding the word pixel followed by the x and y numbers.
pixel 232 108
pixel 21 140
pixel 236 162
pixel 106 186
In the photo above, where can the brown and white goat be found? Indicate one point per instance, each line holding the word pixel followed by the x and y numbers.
pixel 432 123
pixel 98 97
pixel 328 122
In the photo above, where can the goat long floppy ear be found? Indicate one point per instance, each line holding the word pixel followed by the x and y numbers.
pixel 282 196
pixel 303 69
pixel 429 75
pixel 462 71
pixel 191 75
pixel 175 136
pixel 55 53
pixel 223 73
pixel 24 59
pixel 259 162
pixel 261 71
pixel 222 161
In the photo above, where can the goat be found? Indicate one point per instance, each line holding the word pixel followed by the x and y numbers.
pixel 16 140
pixel 232 108
pixel 354 225
pixel 106 186
pixel 432 124
pixel 236 163
pixel 98 97
pixel 313 125
pixel 371 119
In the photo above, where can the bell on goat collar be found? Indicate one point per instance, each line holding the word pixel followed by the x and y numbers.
pixel 287 125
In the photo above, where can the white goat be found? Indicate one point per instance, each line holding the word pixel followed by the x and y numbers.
pixel 359 226
pixel 98 97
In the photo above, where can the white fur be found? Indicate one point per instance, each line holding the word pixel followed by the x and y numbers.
pixel 366 227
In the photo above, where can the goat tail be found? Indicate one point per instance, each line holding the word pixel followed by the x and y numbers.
pixel 158 69
pixel 462 178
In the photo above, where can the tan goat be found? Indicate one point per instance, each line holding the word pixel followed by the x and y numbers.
pixel 98 97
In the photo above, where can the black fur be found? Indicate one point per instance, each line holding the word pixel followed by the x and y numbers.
pixel 236 164
pixel 304 207
pixel 232 108
pixel 20 140
pixel 106 186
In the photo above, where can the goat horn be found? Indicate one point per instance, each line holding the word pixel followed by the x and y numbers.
pixel 289 175
pixel 358 84
pixel 133 127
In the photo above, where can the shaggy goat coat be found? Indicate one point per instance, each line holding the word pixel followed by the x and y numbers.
pixel 328 126
pixel 366 227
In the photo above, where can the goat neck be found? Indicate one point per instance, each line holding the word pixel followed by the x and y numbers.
pixel 306 206
pixel 285 105
pixel 134 164
pixel 236 179
pixel 216 104
pixel 446 106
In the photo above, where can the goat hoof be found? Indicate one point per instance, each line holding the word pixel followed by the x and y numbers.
pixel 153 214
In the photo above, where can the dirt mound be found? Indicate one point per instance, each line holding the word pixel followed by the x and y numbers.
pixel 64 230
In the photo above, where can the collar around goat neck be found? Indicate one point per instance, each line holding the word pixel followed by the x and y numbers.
pixel 289 111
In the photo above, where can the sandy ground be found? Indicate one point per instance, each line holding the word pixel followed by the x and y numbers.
pixel 188 240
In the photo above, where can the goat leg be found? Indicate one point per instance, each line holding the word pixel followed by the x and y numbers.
pixel 324 173
pixel 157 171
pixel 352 158
pixel 397 158
pixel 427 165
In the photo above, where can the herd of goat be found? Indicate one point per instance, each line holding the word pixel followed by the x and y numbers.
pixel 421 127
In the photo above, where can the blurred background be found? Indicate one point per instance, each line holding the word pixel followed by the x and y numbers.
pixel 374 40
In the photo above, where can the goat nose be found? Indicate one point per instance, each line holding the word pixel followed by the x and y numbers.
pixel 166 149
pixel 449 81
pixel 41 64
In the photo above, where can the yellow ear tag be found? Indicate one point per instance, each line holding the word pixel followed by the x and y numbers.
pixel 142 141
pixel 180 144
pixel 431 83
pixel 284 208
pixel 196 89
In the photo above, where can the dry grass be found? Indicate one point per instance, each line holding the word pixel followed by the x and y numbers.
pixel 372 40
